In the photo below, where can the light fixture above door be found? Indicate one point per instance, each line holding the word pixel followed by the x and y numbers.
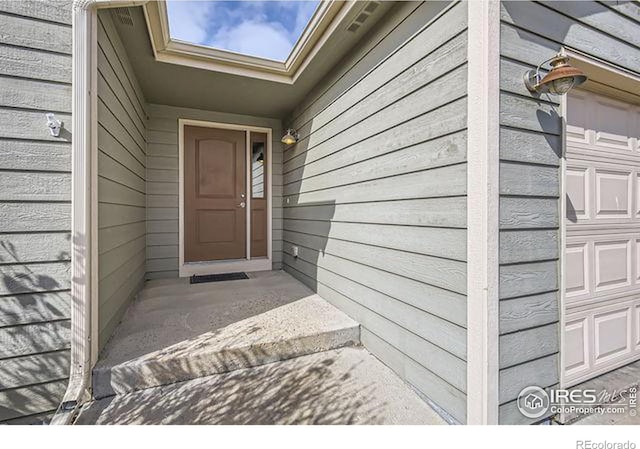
pixel 290 137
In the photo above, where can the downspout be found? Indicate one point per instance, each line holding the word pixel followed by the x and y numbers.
pixel 84 117
pixel 83 23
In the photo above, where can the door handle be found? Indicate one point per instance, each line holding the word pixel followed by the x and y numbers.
pixel 242 204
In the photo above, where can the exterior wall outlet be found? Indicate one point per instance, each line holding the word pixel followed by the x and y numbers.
pixel 294 250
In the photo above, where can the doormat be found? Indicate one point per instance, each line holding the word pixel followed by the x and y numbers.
pixel 217 277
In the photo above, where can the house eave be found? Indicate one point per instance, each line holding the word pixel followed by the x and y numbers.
pixel 325 21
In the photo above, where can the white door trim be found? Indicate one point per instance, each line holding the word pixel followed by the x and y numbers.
pixel 226 266
pixel 483 129
pixel 607 79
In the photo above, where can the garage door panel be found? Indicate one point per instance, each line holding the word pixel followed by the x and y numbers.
pixel 577 109
pixel 636 192
pixel 599 194
pixel 614 141
pixel 600 267
pixel 602 249
pixel 611 335
pixel 596 156
pixel 577 191
pixel 636 325
pixel 613 194
pixel 612 264
pixel 600 338
pixel 636 260
pixel 612 123
pixel 577 269
pixel 576 350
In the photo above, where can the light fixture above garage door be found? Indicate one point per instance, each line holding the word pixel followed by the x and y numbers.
pixel 561 78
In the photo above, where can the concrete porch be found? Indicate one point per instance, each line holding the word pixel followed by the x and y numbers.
pixel 175 331
pixel 185 354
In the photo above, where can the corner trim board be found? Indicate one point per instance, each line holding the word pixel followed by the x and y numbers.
pixel 483 211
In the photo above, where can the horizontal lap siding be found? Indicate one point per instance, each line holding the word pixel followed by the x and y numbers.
pixel 35 186
pixel 530 150
pixel 122 148
pixel 375 195
pixel 162 183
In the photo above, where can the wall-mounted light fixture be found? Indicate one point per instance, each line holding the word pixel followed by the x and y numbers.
pixel 290 137
pixel 561 78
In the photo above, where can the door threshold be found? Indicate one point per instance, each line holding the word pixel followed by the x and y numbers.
pixel 223 266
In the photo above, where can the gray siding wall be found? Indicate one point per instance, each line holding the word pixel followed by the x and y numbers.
pixel 375 195
pixel 35 186
pixel 530 151
pixel 122 147
pixel 162 183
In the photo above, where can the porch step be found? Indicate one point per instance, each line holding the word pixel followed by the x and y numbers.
pixel 178 332
pixel 341 386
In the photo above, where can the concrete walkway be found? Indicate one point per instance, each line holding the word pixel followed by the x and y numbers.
pixel 343 386
pixel 176 331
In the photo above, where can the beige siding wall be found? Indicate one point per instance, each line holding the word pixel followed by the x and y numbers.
pixel 162 183
pixel 35 184
pixel 530 151
pixel 375 195
pixel 122 147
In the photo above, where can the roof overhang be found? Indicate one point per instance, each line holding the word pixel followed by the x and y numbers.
pixel 326 20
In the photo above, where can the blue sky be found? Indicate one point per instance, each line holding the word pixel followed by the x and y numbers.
pixel 268 29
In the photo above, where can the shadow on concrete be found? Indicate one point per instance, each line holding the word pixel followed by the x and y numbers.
pixel 319 389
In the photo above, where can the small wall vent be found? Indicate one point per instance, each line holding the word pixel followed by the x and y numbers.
pixel 122 15
pixel 367 10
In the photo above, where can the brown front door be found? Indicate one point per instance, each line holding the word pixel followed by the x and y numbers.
pixel 214 194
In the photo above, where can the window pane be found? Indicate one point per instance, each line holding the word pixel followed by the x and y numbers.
pixel 258 160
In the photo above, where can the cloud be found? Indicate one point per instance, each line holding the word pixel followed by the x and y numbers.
pixel 304 12
pixel 267 40
pixel 188 20
pixel 268 29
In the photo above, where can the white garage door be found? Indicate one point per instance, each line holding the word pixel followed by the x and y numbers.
pixel 602 258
